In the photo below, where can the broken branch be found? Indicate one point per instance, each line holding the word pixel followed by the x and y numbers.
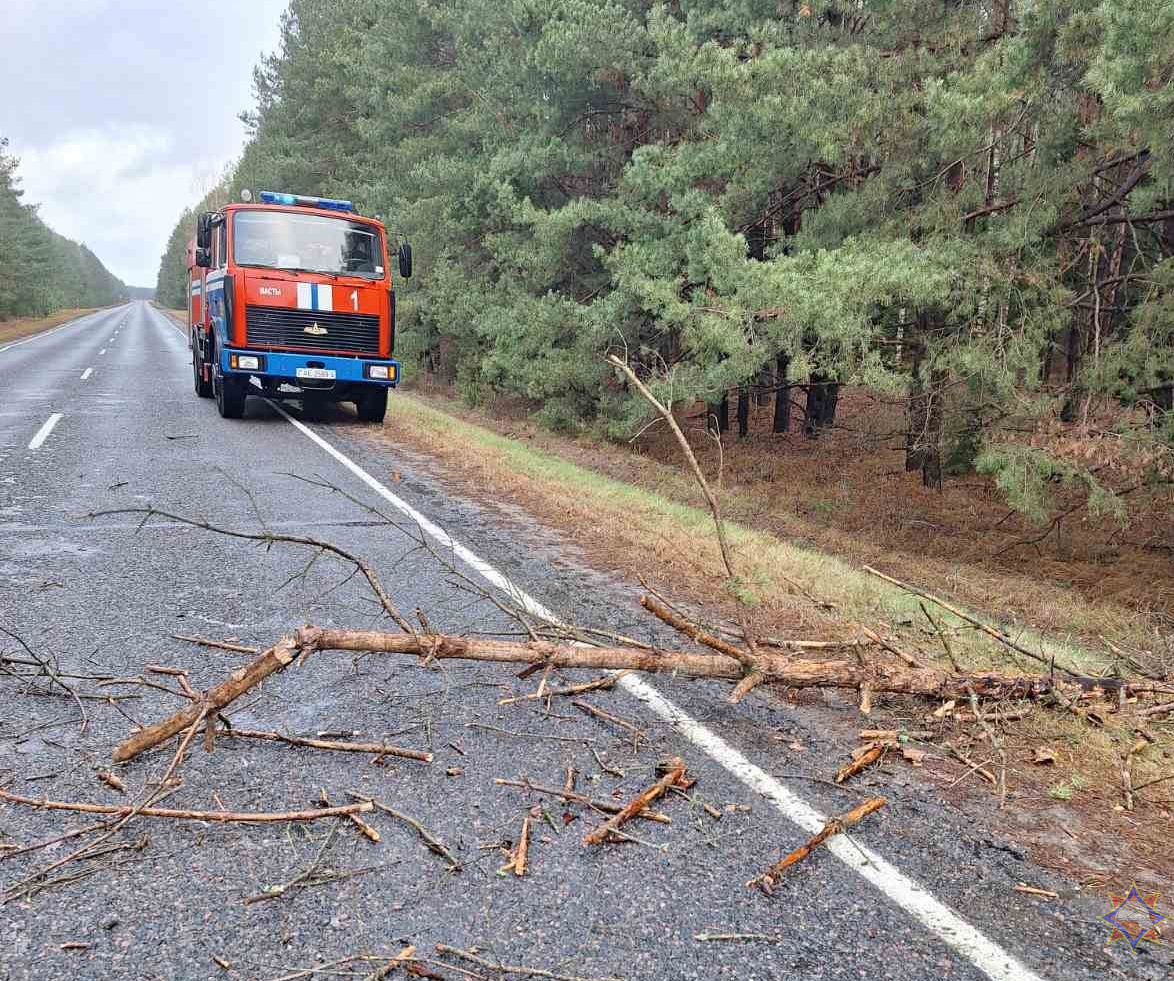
pixel 675 777
pixel 835 826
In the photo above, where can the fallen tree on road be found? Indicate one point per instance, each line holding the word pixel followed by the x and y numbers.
pixel 877 676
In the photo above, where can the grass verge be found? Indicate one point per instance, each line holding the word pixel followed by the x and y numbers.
pixel 14 330
pixel 645 531
pixel 1065 803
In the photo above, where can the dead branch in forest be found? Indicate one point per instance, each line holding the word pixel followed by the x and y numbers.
pixel 835 826
pixel 986 628
pixel 675 777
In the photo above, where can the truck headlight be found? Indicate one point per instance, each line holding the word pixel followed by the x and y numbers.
pixel 244 362
pixel 381 372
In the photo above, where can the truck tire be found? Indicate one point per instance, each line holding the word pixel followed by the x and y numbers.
pixel 372 404
pixel 203 388
pixel 230 393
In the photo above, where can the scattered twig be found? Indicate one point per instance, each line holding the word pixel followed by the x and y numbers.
pixel 376 749
pixel 528 972
pixel 704 937
pixel 271 538
pixel 674 777
pixel 996 745
pixel 214 817
pixel 1034 891
pixel 434 844
pixel 111 780
pixel 607 681
pixel 608 717
pixel 603 806
pixel 222 645
pixel 519 853
pixel 405 956
pixel 835 826
pixel 864 758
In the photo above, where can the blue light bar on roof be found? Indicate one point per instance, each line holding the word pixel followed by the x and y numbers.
pixel 306 201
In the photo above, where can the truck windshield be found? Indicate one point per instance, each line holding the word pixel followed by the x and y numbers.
pixel 307 243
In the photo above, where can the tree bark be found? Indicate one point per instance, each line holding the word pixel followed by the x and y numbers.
pixel 791 672
pixel 782 418
pixel 822 396
pixel 743 411
pixel 240 681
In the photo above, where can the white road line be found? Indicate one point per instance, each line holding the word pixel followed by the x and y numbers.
pixel 86 374
pixel 45 430
pixel 103 351
pixel 968 940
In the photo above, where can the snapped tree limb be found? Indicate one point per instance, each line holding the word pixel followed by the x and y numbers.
pixel 791 672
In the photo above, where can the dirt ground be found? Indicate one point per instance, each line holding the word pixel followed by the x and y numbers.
pixel 845 495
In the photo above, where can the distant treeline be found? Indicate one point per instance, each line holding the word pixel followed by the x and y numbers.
pixel 41 271
pixel 964 207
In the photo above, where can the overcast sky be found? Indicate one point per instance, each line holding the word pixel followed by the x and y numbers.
pixel 123 112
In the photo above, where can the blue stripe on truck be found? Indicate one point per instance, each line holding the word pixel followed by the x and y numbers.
pixel 284 365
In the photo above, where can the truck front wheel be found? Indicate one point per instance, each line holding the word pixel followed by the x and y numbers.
pixel 229 392
pixel 372 404
pixel 203 388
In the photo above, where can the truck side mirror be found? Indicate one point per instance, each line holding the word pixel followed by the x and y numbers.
pixel 204 258
pixel 204 230
pixel 405 260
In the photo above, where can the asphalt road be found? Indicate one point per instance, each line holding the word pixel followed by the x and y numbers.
pixel 104 596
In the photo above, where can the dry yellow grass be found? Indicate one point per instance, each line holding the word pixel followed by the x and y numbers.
pixel 1070 812
pixel 14 330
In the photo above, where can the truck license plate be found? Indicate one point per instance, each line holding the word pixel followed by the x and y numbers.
pixel 323 374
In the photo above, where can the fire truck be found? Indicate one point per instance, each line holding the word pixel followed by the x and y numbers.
pixel 291 297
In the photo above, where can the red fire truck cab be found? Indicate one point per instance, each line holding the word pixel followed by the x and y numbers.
pixel 291 297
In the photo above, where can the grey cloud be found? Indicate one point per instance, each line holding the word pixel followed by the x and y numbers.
pixel 120 109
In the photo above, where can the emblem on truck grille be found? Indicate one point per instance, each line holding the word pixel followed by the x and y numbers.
pixel 315 329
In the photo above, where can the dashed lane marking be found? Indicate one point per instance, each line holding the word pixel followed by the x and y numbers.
pixel 86 374
pixel 45 430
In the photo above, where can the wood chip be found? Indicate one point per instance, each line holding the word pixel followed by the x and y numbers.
pixel 1033 891
pixel 111 780
pixel 867 755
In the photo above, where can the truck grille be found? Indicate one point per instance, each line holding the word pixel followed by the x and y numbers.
pixel 276 327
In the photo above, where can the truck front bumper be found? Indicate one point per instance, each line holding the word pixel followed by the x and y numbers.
pixel 310 371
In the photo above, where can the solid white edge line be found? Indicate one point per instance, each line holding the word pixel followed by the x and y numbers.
pixel 968 940
pixel 906 893
pixel 86 374
pixel 45 430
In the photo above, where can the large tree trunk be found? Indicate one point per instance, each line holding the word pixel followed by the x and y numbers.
pixel 782 419
pixel 743 411
pixel 822 396
pixel 924 410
